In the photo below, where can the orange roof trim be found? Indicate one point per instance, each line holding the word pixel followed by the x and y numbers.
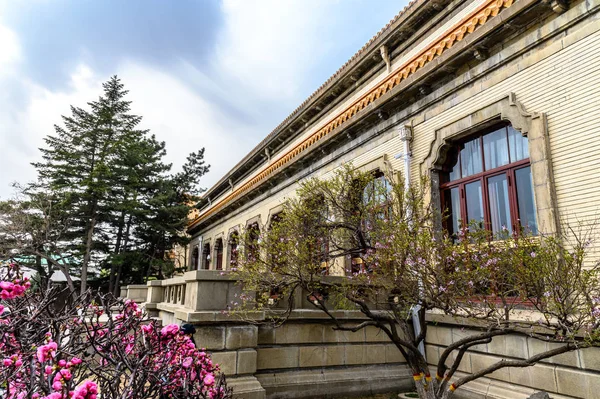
pixel 457 33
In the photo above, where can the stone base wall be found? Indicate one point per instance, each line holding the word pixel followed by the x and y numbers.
pixel 303 358
pixel 570 375
pixel 308 358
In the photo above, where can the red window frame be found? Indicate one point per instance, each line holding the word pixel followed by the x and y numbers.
pixel 483 177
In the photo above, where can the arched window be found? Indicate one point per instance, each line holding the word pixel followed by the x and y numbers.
pixel 378 190
pixel 487 183
pixel 252 244
pixel 234 240
pixel 205 257
pixel 376 195
pixel 195 256
pixel 219 254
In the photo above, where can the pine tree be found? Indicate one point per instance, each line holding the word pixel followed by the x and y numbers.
pixel 126 211
pixel 80 162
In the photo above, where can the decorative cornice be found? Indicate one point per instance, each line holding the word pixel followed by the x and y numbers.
pixel 466 26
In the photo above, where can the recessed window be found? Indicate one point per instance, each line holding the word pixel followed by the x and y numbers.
pixel 195 256
pixel 205 264
pixel 252 242
pixel 488 183
pixel 219 254
pixel 233 249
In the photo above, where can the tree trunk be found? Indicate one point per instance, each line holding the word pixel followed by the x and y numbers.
pixel 113 269
pixel 88 250
pixel 117 285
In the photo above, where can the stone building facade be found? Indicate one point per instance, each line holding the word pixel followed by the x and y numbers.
pixel 496 101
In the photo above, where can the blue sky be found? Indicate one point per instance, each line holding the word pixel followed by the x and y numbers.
pixel 204 73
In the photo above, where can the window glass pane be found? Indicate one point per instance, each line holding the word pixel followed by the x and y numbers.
pixel 471 158
pixel 474 202
pixel 499 205
pixel 518 144
pixel 495 148
pixel 452 206
pixel 525 200
pixel 455 172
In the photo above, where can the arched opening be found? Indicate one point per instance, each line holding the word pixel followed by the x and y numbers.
pixel 195 257
pixel 233 243
pixel 219 254
pixel 252 242
pixel 205 265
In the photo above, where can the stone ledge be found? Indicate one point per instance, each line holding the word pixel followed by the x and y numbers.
pixel 247 387
pixel 322 382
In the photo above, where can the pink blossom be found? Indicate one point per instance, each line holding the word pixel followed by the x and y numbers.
pixel 209 379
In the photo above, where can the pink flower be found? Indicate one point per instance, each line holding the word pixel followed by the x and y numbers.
pixel 147 328
pixel 87 390
pixel 209 379
pixel 187 362
pixel 171 329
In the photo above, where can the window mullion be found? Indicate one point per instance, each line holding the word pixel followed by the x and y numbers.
pixel 512 195
pixel 463 204
pixel 486 203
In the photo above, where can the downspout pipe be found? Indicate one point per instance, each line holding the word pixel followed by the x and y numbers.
pixel 406 135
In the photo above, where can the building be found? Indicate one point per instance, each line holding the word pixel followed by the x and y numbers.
pixel 495 100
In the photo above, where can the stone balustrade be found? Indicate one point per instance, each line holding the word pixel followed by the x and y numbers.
pixel 135 292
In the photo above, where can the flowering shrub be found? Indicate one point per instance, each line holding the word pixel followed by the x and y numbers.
pixel 401 267
pixel 82 350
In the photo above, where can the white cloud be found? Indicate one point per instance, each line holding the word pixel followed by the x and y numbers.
pixel 10 53
pixel 23 129
pixel 264 56
pixel 171 110
pixel 269 45
pixel 184 120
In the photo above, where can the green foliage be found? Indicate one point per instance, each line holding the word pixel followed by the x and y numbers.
pixel 114 203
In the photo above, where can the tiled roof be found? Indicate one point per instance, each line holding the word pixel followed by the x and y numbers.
pixel 466 26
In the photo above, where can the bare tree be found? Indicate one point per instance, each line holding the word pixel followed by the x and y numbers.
pixel 396 265
pixel 33 227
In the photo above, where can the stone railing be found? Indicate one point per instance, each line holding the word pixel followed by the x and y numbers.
pixel 193 292
pixel 136 292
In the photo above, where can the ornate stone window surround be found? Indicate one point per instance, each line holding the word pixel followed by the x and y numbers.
pixel 531 124
pixel 273 212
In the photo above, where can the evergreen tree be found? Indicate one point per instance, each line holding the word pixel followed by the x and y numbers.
pixel 126 211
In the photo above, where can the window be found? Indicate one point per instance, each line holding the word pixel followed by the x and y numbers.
pixel 219 254
pixel 195 256
pixel 377 190
pixel 205 264
pixel 488 183
pixel 233 249
pixel 376 197
pixel 252 243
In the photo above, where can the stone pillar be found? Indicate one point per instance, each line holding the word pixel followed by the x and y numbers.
pixel 233 346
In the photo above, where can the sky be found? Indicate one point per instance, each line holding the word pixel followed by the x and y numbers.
pixel 218 74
